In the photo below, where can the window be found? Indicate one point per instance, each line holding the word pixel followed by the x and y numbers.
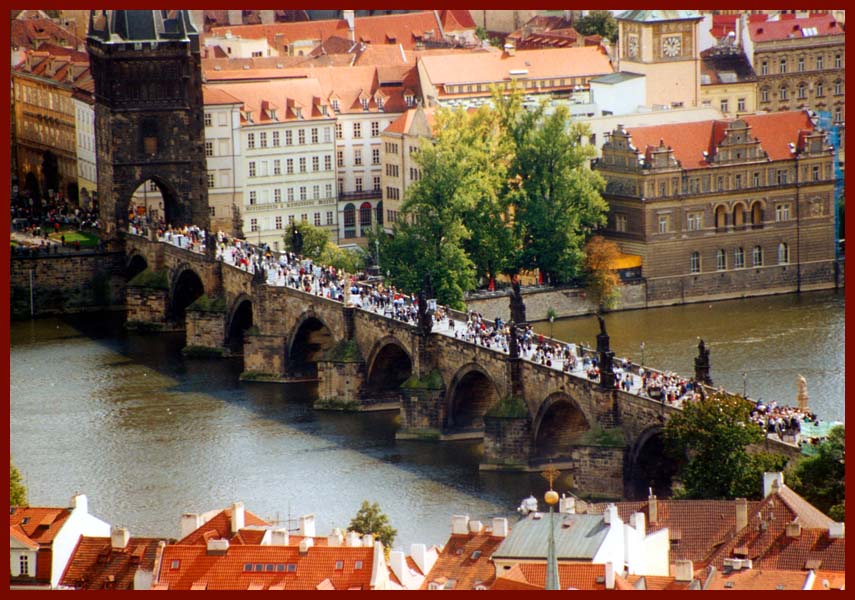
pixel 329 217
pixel 695 221
pixel 764 68
pixel 24 560
pixel 376 183
pixel 757 255
pixel 277 195
pixel 247 566
pixel 209 148
pixel 819 89
pixel 838 115
pixel 820 62
pixel 339 158
pixel 316 163
pixel 782 93
pixel 815 173
pixel 289 138
pixel 212 211
pixel 365 217
pixel 252 168
pixel 781 177
pixel 275 139
pixel 620 222
pixel 695 262
pixel 210 180
pixel 737 179
pixel 316 192
pixel 357 157
pixel 740 104
pixel 259 567
pixel 290 219
pixel 723 104
pixel 375 156
pixel 801 66
pixel 782 65
pixel 277 167
pixel 278 221
pixel 375 128
pixel 802 91
pixel 326 135
pixel 359 184
pixel 302 192
pixel 289 166
pixel 664 223
pixel 301 136
pixel 738 258
pixel 302 164
pixel 314 135
pixel 783 254
pixel 252 197
pixel 328 190
pixel 339 565
pixel 720 260
pixel 262 139
pixel 176 564
pixel 338 133
pixel 782 212
pixel 317 219
pixel 250 140
pixel 357 565
pixel 328 162
pixel 838 61
pixel 349 220
pixel 208 120
pixel 764 95
pixel 357 129
pixel 838 87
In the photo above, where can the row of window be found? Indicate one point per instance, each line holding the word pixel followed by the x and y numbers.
pixel 723 183
pixel 260 168
pixel 277 222
pixel 357 129
pixel 290 193
pixel 276 138
pixel 530 84
pixel 695 219
pixel 819 64
pixel 365 210
pixel 738 258
pixel 802 91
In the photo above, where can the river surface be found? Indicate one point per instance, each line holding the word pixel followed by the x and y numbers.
pixel 149 435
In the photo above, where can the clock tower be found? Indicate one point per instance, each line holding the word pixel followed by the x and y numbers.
pixel 663 46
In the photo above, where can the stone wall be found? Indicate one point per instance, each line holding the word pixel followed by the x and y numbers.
pixel 263 357
pixel 507 442
pixel 205 330
pixel 147 307
pixel 339 384
pixel 597 470
pixel 66 283
pixel 422 414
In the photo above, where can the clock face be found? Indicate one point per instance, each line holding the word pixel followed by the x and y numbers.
pixel 632 46
pixel 671 46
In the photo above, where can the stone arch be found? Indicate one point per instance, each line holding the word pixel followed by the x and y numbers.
pixel 310 338
pixel 720 216
pixel 471 393
pixel 647 465
pixel 240 318
pixel 389 364
pixel 135 265
pixel 186 286
pixel 757 210
pixel 151 195
pixel 738 214
pixel 558 424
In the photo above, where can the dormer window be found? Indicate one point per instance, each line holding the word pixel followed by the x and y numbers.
pixel 409 99
pixel 379 103
pixel 335 105
pixel 249 116
pixel 364 103
pixel 324 110
pixel 273 114
pixel 298 111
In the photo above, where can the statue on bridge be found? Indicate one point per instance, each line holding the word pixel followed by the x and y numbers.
pixel 425 315
pixel 296 241
pixel 606 356
pixel 259 274
pixel 210 245
pixel 702 364
pixel 517 303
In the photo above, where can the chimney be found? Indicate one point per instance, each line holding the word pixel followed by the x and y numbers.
pixel 652 509
pixel 398 564
pixel 684 570
pixel 190 522
pixel 459 524
pixel 335 538
pixel 235 17
pixel 772 482
pixel 475 526
pixel 352 539
pixel 80 503
pixel 610 575
pixel 610 516
pixel 637 522
pixel 500 527
pixel 279 537
pixel 567 504
pixel 368 540
pixel 305 544
pixel 741 514
pixel 810 579
pixel 836 530
pixel 423 560
pixel 794 529
pixel 510 50
pixel 238 517
pixel 217 546
pixel 350 17
pixel 119 537
pixel 307 525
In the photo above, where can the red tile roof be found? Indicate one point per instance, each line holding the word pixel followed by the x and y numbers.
pixel 456 562
pixel 403 123
pixel 213 95
pixel 658 582
pixel 16 532
pixel 40 524
pixel 579 576
pixel 219 526
pixel 757 579
pixel 723 24
pixel 227 571
pixel 30 33
pixel 768 31
pixel 775 131
pixel 95 565
pixel 456 20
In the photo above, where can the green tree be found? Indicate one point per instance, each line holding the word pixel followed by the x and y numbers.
pixel 602 281
pixel 315 240
pixel 555 196
pixel 370 519
pixel 710 438
pixel 820 479
pixel 598 22
pixel 17 489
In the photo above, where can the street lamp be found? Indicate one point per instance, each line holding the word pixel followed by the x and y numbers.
pixel 642 354
pixel 377 254
pixel 744 384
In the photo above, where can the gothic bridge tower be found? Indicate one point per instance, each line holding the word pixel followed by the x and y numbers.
pixel 149 125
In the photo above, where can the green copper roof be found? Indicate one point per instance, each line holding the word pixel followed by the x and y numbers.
pixel 651 16
pixel 576 537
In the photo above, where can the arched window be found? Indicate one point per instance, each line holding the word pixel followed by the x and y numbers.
pixel 349 221
pixel 758 256
pixel 738 215
pixel 783 254
pixel 757 215
pixel 720 217
pixel 720 260
pixel 695 262
pixel 379 209
pixel 365 218
pixel 738 258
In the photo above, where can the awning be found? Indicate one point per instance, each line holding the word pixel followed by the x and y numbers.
pixel 626 261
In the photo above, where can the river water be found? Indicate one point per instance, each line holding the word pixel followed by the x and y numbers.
pixel 149 435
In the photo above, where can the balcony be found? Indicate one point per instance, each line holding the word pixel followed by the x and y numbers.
pixel 364 195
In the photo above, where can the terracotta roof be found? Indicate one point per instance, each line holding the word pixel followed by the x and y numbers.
pixel 458 561
pixel 16 532
pixel 722 25
pixel 723 65
pixel 94 563
pixel 775 131
pixel 456 20
pixel 657 582
pixel 835 581
pixel 219 526
pixel 404 123
pixel 757 579
pixel 815 25
pixel 333 45
pixel 580 576
pixel 283 95
pixel 813 547
pixel 29 33
pixel 213 95
pixel 227 571
pixel 39 524
pixel 481 67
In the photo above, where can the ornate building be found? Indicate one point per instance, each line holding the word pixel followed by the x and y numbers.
pixel 148 113
pixel 723 208
pixel 663 45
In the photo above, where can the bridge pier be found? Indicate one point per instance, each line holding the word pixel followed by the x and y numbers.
pixel 507 443
pixel 263 357
pixel 147 308
pixel 339 384
pixel 423 410
pixel 205 332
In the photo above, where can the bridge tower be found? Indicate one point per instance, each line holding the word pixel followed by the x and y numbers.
pixel 146 65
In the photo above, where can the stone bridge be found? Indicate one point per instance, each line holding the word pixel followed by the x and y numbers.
pixel 445 388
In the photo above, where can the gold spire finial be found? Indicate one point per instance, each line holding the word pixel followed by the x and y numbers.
pixel 550 474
